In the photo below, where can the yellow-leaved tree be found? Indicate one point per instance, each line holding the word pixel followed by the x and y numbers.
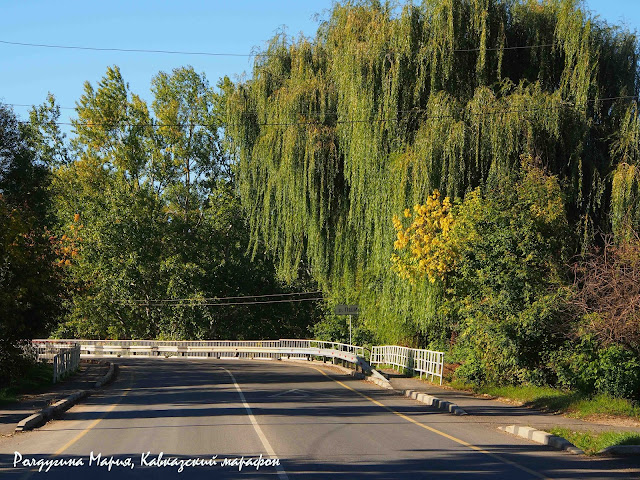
pixel 425 247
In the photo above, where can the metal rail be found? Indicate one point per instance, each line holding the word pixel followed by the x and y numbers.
pixel 260 349
pixel 64 356
pixel 429 362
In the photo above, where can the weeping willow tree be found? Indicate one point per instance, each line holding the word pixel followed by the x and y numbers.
pixel 337 134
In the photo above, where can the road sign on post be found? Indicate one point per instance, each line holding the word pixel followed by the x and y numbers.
pixel 347 310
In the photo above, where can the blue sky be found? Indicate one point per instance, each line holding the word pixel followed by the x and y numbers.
pixel 27 73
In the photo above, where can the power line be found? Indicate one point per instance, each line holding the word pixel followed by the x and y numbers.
pixel 415 110
pixel 33 105
pixel 522 47
pixel 227 298
pixel 228 54
pixel 302 123
pixel 130 50
pixel 218 304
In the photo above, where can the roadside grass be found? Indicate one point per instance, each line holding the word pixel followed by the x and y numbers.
pixel 36 379
pixel 592 442
pixel 571 403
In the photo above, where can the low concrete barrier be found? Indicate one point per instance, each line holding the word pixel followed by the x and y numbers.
pixel 46 414
pixel 276 349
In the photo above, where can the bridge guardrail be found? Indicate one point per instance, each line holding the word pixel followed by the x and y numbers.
pixel 427 362
pixel 274 349
pixel 64 356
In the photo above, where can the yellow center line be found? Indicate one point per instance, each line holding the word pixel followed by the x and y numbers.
pixel 97 420
pixel 436 431
pixel 87 429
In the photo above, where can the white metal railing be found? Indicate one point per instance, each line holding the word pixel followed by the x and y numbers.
pixel 65 357
pixel 342 347
pixel 266 349
pixel 429 362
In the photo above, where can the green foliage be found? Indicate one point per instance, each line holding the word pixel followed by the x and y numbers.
pixel 33 379
pixel 625 199
pixel 337 134
pixel 573 403
pixel 151 222
pixel 619 373
pixel 588 367
pixel 576 365
pixel 593 442
pixel 29 281
pixel 335 328
pixel 504 293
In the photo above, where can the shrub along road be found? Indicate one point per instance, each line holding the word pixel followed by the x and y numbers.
pixel 318 423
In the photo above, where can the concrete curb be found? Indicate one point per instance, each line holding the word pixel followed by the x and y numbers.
pixel 379 379
pixel 379 382
pixel 46 414
pixel 108 376
pixel 425 398
pixel 543 438
pixel 331 366
pixel 621 450
pixel 435 402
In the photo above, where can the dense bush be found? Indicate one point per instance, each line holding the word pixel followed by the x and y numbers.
pixel 619 373
pixel 502 277
pixel 588 367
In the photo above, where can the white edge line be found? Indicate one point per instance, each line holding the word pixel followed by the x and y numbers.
pixel 265 443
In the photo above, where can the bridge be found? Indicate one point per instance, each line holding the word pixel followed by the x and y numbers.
pixel 267 409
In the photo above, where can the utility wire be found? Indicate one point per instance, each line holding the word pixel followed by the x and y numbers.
pixel 218 304
pixel 32 105
pixel 522 47
pixel 225 298
pixel 227 54
pixel 301 123
pixel 130 50
pixel 414 110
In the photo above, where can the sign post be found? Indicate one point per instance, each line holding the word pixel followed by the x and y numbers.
pixel 347 310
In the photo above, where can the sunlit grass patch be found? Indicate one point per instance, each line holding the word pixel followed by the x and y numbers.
pixel 572 403
pixel 593 442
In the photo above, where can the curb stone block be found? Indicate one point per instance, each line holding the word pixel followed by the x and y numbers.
pixel 107 378
pixel 380 383
pixel 30 422
pixel 435 402
pixel 542 437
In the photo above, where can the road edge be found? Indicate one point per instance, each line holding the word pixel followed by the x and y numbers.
pixel 380 380
pixel 43 416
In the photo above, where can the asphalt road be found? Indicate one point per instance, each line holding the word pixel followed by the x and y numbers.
pixel 317 425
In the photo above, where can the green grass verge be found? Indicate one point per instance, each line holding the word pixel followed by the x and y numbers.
pixel 383 366
pixel 574 404
pixel 36 379
pixel 592 442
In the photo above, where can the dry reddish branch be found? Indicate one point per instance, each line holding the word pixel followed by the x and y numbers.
pixel 607 293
